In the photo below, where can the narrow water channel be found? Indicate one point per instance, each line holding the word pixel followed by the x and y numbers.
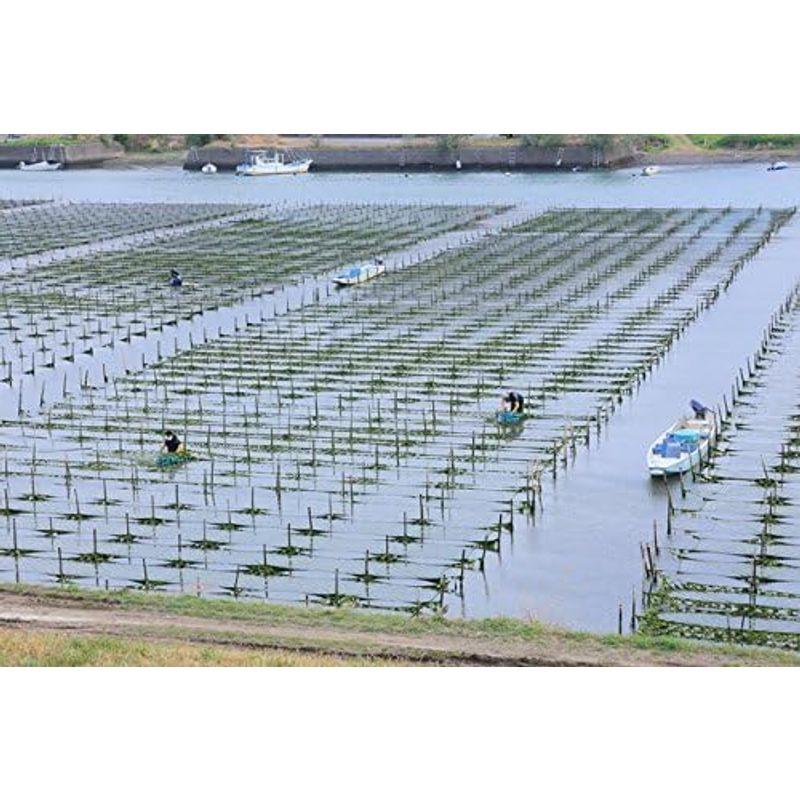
pixel 582 558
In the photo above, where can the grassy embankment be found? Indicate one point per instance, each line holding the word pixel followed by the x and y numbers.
pixel 71 627
pixel 33 648
pixel 710 147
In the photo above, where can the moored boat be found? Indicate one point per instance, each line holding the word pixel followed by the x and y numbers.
pixel 684 445
pixel 40 166
pixel 208 169
pixel 259 162
pixel 652 169
pixel 358 273
pixel 776 166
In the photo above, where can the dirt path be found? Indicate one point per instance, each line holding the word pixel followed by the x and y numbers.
pixel 34 612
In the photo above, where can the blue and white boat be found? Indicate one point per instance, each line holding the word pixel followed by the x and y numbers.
pixel 684 445
pixel 358 273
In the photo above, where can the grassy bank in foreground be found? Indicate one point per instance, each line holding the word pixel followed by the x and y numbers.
pixel 32 648
pixel 110 627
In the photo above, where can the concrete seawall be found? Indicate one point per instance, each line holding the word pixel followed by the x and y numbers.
pixel 71 155
pixel 414 159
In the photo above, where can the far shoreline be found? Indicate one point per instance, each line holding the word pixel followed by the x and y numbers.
pixel 665 159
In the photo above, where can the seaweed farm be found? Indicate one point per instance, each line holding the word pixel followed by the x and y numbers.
pixel 345 448
pixel 37 227
pixel 728 567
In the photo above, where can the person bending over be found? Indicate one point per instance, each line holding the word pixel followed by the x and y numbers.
pixel 512 401
pixel 172 444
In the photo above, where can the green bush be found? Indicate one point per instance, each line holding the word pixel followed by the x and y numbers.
pixel 653 141
pixel 200 139
pixel 543 140
pixel 448 143
pixel 746 141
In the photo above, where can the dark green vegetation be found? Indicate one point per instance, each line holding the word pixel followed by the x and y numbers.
pixel 733 141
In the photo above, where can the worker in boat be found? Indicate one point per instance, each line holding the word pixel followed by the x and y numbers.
pixel 512 401
pixel 172 444
pixel 699 409
pixel 378 262
pixel 175 279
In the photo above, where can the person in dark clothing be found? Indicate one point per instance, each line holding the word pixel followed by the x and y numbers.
pixel 175 279
pixel 172 444
pixel 512 401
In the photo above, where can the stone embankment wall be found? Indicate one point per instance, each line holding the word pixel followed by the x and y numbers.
pixel 411 159
pixel 89 154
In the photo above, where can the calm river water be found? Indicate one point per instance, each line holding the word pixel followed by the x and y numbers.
pixel 739 185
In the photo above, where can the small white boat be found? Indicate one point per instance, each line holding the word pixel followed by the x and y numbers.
pixel 208 169
pixel 683 445
pixel 652 169
pixel 358 273
pixel 259 162
pixel 40 166
pixel 776 166
pixel 458 163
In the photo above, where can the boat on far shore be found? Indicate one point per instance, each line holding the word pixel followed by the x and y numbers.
pixel 776 166
pixel 260 162
pixel 652 169
pixel 40 166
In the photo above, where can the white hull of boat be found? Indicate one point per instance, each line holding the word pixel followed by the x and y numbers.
pixel 660 465
pixel 360 274
pixel 40 166
pixel 652 170
pixel 209 169
pixel 274 168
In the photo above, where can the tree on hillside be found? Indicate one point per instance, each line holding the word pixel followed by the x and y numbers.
pixel 200 139
pixel 449 143
pixel 543 139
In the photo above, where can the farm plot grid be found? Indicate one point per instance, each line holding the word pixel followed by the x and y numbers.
pixel 729 569
pixel 56 312
pixel 6 204
pixel 36 228
pixel 346 451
